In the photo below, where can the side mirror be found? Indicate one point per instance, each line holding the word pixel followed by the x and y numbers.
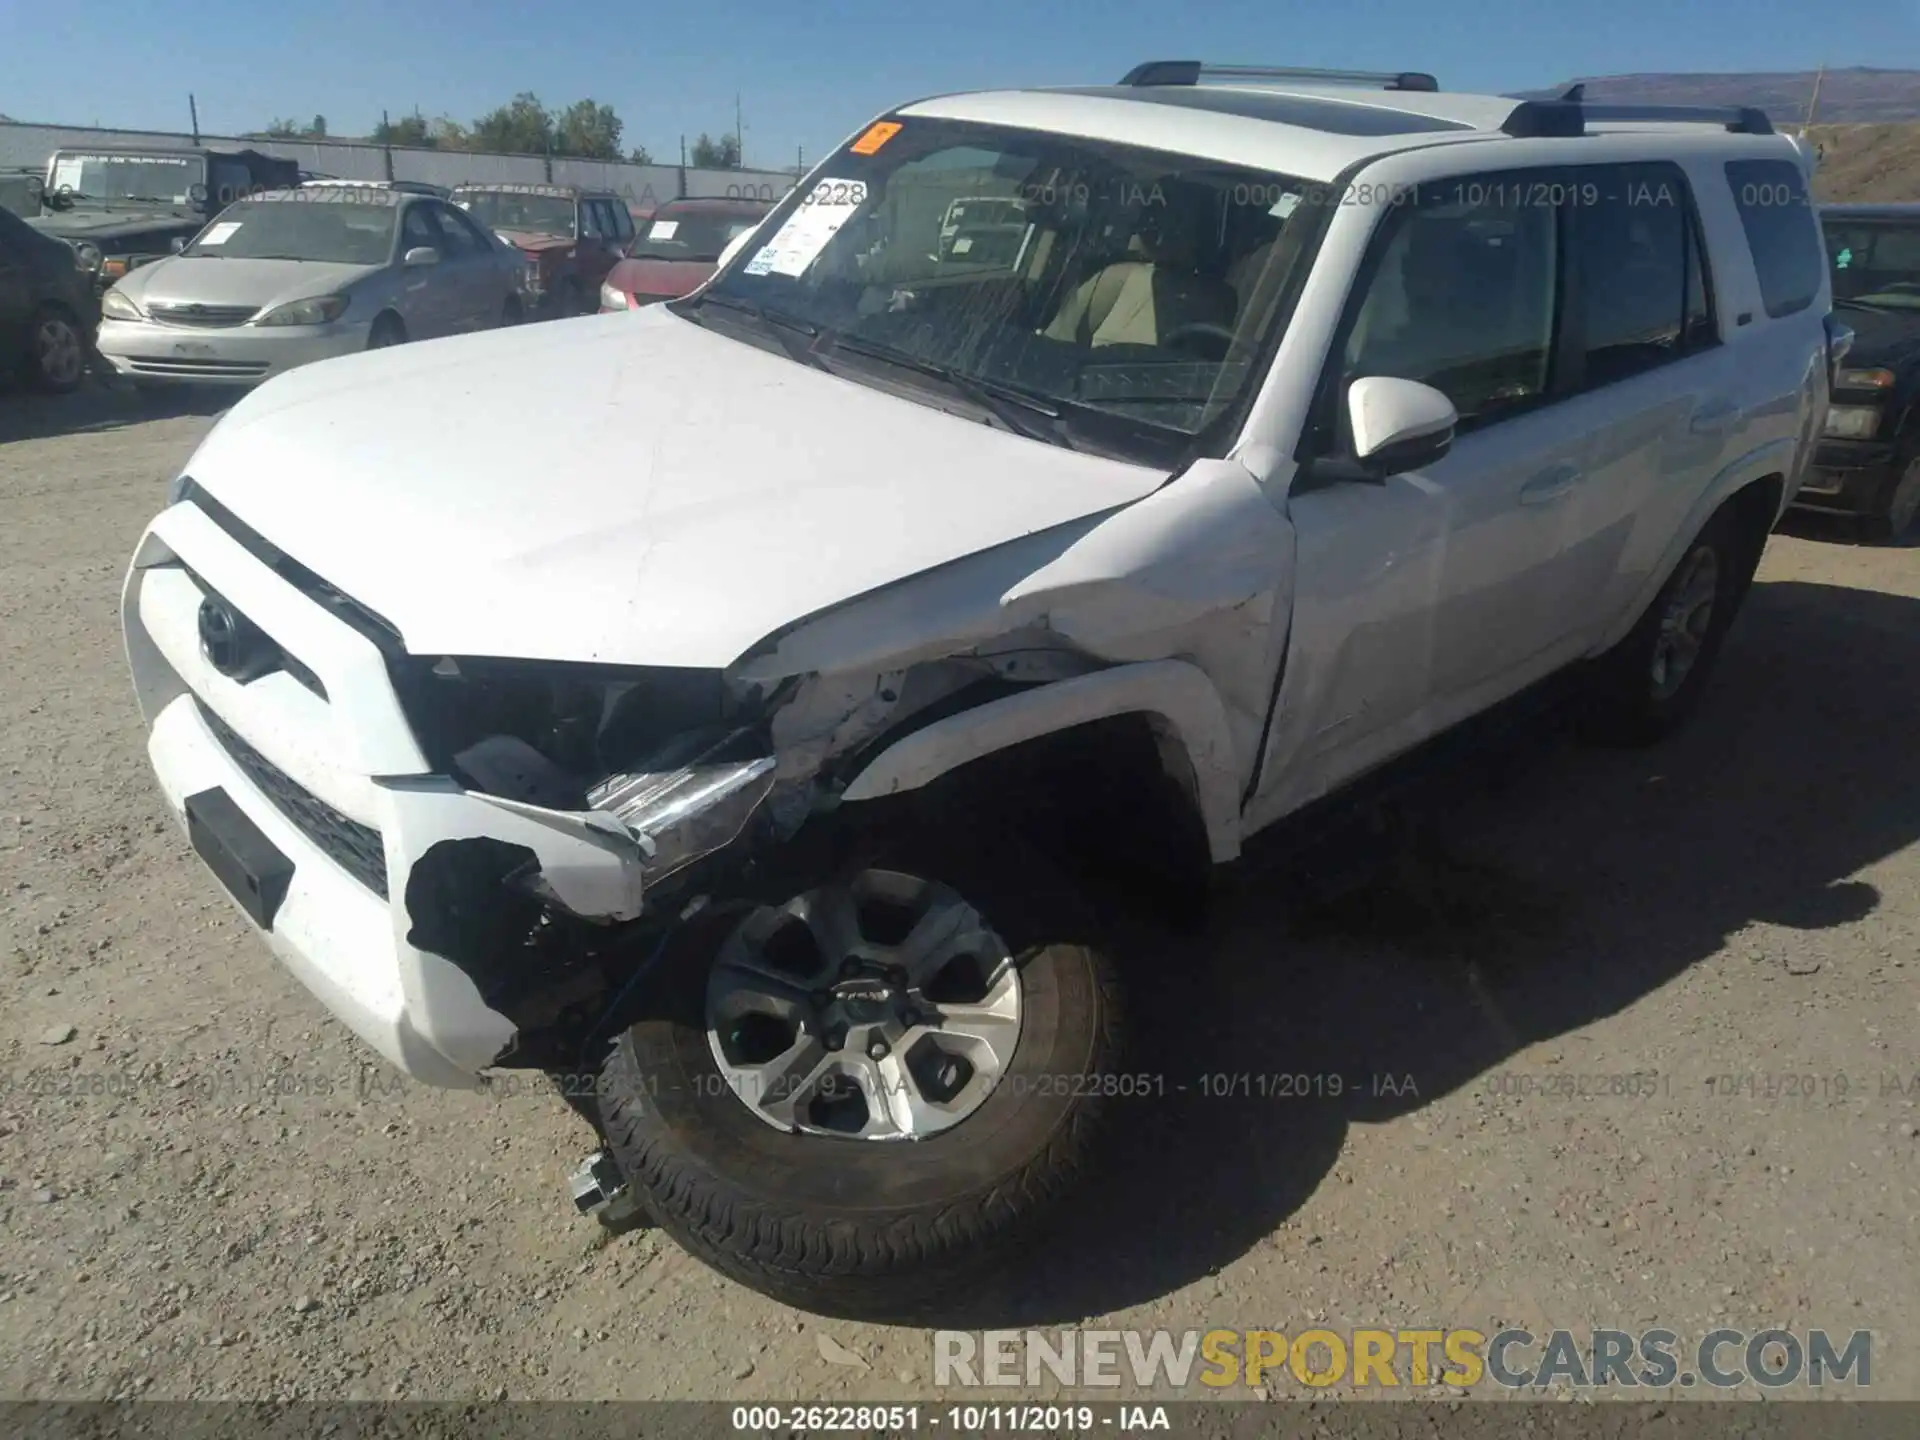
pixel 1397 425
pixel 421 255
pixel 177 244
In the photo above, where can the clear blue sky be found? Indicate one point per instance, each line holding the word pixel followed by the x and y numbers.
pixel 809 74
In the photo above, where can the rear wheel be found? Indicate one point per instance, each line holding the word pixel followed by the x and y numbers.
pixel 58 351
pixel 863 1097
pixel 387 330
pixel 1648 684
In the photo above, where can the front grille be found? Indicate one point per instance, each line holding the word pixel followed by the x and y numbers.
pixel 355 848
pixel 179 365
pixel 204 315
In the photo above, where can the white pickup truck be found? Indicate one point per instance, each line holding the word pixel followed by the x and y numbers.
pixel 655 699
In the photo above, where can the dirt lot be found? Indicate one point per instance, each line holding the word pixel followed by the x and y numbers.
pixel 206 1189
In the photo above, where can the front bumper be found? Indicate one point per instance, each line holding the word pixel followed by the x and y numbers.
pixel 320 759
pixel 1848 477
pixel 241 355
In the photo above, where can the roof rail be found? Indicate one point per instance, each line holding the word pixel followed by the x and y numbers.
pixel 1190 72
pixel 1565 117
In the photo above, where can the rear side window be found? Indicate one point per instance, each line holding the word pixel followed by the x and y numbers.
pixel 1781 231
pixel 1644 296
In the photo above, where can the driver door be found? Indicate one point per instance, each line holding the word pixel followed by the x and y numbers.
pixel 1423 599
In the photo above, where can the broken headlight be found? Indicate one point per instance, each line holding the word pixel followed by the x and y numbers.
pixel 675 755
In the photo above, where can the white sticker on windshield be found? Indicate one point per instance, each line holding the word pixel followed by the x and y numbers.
pixel 66 174
pixel 217 234
pixel 1285 205
pixel 963 245
pixel 663 229
pixel 796 244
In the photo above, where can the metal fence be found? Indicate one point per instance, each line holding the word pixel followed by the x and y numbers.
pixel 29 146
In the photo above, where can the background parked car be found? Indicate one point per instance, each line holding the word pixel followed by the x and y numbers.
pixel 48 308
pixel 1868 461
pixel 568 237
pixel 677 250
pixel 122 208
pixel 294 276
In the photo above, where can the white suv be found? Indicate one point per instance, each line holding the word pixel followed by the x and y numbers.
pixel 729 708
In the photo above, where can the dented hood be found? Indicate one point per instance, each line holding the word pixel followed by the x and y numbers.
pixel 622 489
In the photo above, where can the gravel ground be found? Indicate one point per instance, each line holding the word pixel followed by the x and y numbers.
pixel 209 1189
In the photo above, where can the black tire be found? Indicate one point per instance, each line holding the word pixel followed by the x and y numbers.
pixel 57 350
pixel 1630 703
pixel 860 1228
pixel 1898 517
pixel 387 330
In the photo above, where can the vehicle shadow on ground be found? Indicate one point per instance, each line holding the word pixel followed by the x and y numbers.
pixel 99 404
pixel 1563 885
pixel 1842 530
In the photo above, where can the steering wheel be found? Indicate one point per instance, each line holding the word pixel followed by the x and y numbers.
pixel 1182 337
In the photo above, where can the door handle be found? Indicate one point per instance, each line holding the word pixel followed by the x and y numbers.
pixel 1712 418
pixel 1550 484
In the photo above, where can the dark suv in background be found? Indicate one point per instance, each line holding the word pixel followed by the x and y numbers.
pixel 49 311
pixel 120 208
pixel 570 238
pixel 1867 463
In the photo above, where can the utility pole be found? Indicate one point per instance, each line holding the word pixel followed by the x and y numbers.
pixel 739 136
pixel 1813 103
pixel 194 111
pixel 386 142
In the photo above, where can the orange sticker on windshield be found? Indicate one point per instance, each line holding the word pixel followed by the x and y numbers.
pixel 877 135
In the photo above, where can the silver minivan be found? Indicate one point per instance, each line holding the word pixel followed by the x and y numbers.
pixel 292 276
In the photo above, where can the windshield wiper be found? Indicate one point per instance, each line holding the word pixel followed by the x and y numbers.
pixel 789 330
pixel 1867 305
pixel 1015 410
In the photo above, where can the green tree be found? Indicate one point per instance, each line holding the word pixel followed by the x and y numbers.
pixel 523 127
pixel 711 154
pixel 318 130
pixel 587 130
pixel 282 130
pixel 640 155
pixel 407 130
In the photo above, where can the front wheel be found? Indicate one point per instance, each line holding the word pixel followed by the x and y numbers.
pixel 865 1097
pixel 1649 683
pixel 387 330
pixel 59 351
pixel 1901 509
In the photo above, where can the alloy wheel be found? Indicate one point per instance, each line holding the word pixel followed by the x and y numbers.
pixel 881 1008
pixel 1685 621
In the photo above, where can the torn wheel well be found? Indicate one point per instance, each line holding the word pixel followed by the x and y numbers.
pixel 1114 801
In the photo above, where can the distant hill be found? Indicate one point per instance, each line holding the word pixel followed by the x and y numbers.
pixel 1852 96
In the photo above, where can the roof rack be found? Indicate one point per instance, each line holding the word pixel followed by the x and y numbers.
pixel 1571 116
pixel 1190 72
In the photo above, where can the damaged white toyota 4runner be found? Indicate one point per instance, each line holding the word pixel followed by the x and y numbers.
pixel 725 700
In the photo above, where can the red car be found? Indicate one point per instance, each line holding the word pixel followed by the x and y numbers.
pixel 676 250
pixel 569 236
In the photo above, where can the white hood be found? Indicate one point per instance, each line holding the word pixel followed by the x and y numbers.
pixel 628 489
pixel 218 280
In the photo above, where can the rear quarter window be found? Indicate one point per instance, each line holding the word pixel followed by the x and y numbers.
pixel 1782 232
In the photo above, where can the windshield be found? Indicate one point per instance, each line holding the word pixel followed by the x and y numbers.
pixel 1110 282
pixel 505 210
pixel 689 235
pixel 1876 263
pixel 334 226
pixel 163 179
